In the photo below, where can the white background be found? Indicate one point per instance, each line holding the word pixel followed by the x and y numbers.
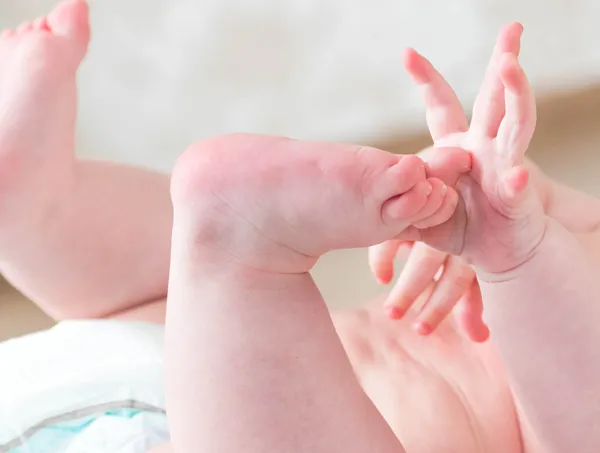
pixel 164 73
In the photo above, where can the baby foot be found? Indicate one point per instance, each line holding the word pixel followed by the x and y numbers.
pixel 277 204
pixel 251 216
pixel 38 62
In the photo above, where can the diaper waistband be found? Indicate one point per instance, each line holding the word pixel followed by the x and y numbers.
pixel 77 369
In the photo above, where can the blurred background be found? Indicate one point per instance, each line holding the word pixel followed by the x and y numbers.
pixel 162 74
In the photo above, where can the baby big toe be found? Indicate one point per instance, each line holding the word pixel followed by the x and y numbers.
pixel 71 20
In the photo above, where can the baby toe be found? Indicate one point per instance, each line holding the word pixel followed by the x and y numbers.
pixel 25 27
pixel 445 209
pixel 7 34
pixel 434 201
pixel 403 207
pixel 41 24
pixel 399 178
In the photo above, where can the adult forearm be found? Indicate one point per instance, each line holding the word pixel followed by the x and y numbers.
pixel 544 321
pixel 577 211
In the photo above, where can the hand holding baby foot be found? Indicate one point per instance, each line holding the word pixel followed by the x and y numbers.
pixel 441 282
pixel 500 220
pixel 495 192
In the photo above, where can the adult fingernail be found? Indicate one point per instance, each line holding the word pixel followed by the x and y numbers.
pixel 394 312
pixel 423 328
pixel 383 279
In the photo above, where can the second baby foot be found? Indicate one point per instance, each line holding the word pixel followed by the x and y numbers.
pixel 38 63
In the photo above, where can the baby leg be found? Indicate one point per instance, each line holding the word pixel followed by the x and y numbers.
pixel 253 361
pixel 82 239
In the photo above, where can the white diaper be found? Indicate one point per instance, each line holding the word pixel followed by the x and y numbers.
pixel 84 386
